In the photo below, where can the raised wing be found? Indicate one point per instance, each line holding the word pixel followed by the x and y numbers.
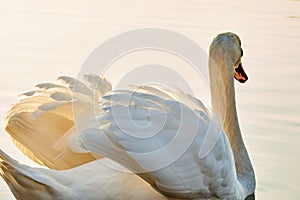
pixel 42 120
pixel 167 137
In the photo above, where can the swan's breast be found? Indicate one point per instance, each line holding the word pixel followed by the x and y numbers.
pixel 212 176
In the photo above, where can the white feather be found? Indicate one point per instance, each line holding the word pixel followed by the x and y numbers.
pixel 199 162
pixel 46 116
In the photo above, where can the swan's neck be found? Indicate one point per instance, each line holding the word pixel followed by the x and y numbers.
pixel 223 103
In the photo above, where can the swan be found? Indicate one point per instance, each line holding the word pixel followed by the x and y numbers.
pixel 215 164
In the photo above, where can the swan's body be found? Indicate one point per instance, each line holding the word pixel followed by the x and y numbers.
pixel 93 180
pixel 215 164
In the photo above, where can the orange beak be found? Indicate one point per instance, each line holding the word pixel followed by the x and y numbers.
pixel 240 74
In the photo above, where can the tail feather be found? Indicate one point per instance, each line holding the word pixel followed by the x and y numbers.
pixel 28 183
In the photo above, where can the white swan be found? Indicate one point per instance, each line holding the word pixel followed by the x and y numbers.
pixel 215 166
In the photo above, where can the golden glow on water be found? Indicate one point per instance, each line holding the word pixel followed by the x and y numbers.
pixel 40 41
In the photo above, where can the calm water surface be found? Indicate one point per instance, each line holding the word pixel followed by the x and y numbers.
pixel 42 40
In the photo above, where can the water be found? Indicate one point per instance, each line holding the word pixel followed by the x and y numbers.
pixel 40 41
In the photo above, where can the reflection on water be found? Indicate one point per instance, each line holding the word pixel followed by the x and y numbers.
pixel 41 41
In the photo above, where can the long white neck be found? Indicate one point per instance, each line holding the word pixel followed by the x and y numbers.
pixel 223 103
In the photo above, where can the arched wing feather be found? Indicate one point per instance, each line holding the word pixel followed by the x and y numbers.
pixel 167 137
pixel 41 121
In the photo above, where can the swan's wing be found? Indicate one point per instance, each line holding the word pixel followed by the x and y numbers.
pixel 169 138
pixel 41 121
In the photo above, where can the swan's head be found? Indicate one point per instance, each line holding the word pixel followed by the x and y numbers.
pixel 226 53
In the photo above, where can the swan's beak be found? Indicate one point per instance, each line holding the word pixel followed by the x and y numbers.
pixel 240 74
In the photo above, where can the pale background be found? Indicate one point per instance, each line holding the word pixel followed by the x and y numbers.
pixel 40 40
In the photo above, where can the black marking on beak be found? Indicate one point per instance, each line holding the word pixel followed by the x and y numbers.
pixel 240 74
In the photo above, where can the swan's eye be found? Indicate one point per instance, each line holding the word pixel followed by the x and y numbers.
pixel 241 52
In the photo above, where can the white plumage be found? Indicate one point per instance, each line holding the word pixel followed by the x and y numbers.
pixel 168 138
pixel 198 163
pixel 93 180
pixel 41 120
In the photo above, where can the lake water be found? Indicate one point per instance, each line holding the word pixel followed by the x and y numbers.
pixel 41 40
